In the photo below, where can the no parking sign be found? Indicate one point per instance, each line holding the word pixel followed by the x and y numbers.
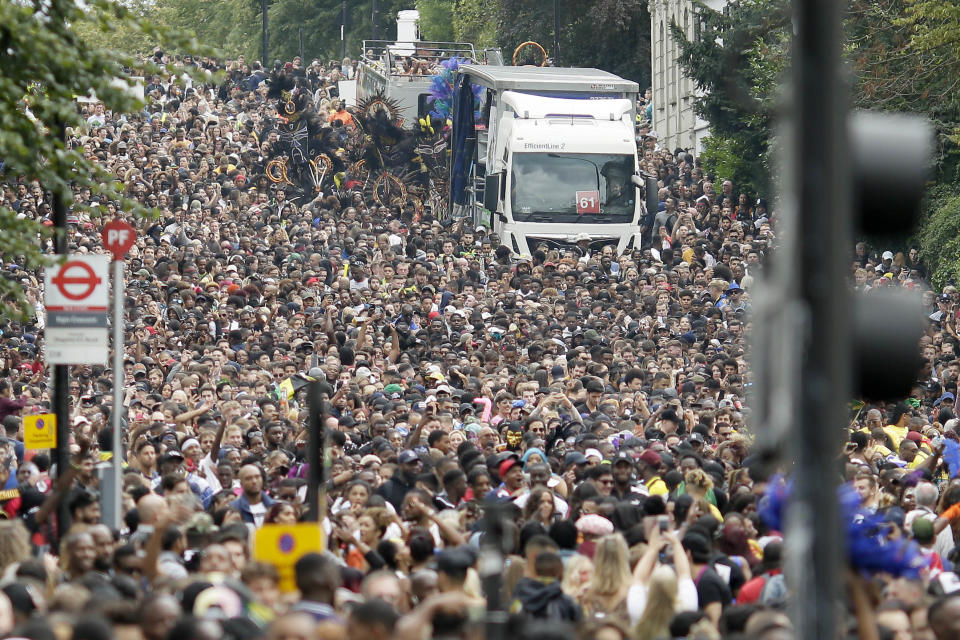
pixel 40 431
pixel 283 544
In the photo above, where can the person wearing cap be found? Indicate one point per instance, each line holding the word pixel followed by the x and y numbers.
pixel 510 472
pixel 625 489
pixel 403 479
pixel 650 464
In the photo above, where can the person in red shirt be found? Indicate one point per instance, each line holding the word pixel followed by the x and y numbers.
pixel 768 567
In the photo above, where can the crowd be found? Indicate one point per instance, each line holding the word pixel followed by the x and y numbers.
pixel 584 412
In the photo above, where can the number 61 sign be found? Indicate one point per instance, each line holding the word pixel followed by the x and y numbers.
pixel 588 202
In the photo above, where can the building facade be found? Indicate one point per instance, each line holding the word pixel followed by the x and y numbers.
pixel 674 118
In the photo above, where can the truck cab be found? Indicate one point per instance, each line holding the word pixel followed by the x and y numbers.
pixel 554 157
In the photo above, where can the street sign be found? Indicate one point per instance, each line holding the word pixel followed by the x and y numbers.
pixel 76 294
pixel 283 544
pixel 118 236
pixel 40 431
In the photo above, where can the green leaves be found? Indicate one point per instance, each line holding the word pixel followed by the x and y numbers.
pixel 738 61
pixel 46 62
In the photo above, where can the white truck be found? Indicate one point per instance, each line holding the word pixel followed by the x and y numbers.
pixel 547 156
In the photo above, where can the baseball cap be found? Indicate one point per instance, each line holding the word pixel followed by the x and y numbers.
pixel 947 396
pixel 574 457
pixel 887 255
pixel 506 465
pixel 407 456
pixel 651 457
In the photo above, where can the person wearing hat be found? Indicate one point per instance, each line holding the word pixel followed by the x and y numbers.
pixel 944 301
pixel 625 488
pixel 510 471
pixel 403 479
pixel 649 464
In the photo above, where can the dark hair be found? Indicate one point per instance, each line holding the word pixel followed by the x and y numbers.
pixel 421 545
pixel 564 533
pixel 376 612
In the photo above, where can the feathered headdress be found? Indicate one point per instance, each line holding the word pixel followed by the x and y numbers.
pixel 868 547
pixel 441 90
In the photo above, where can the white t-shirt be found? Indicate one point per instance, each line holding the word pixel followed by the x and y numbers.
pixel 209 473
pixel 259 512
pixel 637 598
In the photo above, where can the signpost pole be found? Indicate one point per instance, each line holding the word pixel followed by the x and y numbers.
pixel 61 372
pixel 118 236
pixel 118 383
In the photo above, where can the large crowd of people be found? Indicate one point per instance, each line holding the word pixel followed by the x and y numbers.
pixel 587 412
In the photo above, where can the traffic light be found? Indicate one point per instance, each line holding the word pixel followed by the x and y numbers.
pixel 890 164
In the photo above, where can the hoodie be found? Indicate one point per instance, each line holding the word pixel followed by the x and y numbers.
pixel 544 600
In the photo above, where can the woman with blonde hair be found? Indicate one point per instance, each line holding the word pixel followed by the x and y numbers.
pixel 576 576
pixel 659 590
pixel 610 582
pixel 661 601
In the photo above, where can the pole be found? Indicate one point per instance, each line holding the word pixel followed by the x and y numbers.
pixel 556 33
pixel 315 453
pixel 265 36
pixel 374 20
pixel 118 382
pixel 818 191
pixel 61 372
pixel 343 29
pixel 491 568
pixel 300 35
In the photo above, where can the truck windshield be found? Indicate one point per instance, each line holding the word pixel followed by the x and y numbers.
pixel 572 187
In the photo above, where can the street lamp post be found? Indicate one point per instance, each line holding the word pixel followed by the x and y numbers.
pixel 265 36
pixel 343 29
pixel 556 33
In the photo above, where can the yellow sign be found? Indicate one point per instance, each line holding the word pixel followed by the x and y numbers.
pixel 40 431
pixel 283 544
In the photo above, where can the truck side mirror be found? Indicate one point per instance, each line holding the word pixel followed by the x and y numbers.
pixel 491 191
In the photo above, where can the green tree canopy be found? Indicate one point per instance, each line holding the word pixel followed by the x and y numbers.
pixel 45 65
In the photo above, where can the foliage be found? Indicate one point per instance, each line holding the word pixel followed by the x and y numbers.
pixel 436 20
pixel 939 237
pixel 613 35
pixel 474 21
pixel 729 158
pixel 44 65
pixel 737 62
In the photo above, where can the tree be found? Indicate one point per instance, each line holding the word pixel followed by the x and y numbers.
pixel 939 237
pixel 475 21
pixel 736 61
pixel 436 20
pixel 44 65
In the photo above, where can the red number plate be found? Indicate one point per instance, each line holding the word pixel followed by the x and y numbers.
pixel 588 202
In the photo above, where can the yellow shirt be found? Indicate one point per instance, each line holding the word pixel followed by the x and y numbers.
pixel 918 460
pixel 897 434
pixel 656 486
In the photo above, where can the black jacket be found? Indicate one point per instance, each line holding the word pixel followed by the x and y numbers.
pixel 545 601
pixel 395 490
